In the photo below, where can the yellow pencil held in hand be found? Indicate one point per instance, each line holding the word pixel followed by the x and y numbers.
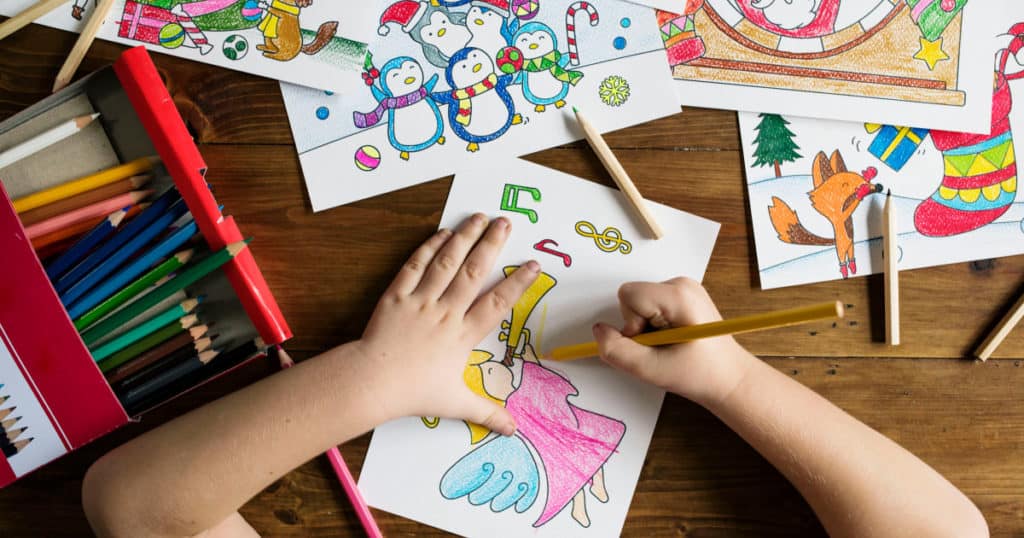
pixel 745 324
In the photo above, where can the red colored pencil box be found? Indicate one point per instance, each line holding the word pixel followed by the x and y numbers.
pixel 46 371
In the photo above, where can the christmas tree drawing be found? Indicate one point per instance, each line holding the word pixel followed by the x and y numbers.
pixel 775 143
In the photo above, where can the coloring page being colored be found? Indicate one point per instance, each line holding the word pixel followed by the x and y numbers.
pixel 817 188
pixel 448 87
pixel 905 62
pixel 583 428
pixel 316 43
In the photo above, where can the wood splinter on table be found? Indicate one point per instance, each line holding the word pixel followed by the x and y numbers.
pixel 618 173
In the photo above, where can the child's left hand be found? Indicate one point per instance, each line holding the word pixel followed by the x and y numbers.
pixel 430 318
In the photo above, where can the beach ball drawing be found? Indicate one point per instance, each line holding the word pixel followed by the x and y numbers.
pixel 367 158
pixel 525 9
pixel 251 10
pixel 235 47
pixel 172 35
pixel 510 60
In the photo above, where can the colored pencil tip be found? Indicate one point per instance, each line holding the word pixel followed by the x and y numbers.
pixel 200 298
pixel 95 115
pixel 575 110
pixel 888 192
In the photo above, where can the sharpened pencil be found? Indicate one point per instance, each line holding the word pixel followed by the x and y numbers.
pixel 11 435
pixel 16 447
pixel 102 230
pixel 618 173
pixel 6 424
pixel 127 271
pixel 87 213
pixel 5 412
pixel 136 287
pixel 745 324
pixel 28 16
pixel 132 372
pixel 85 39
pixel 178 312
pixel 185 278
pixel 84 184
pixel 149 342
pixel 890 237
pixel 46 139
pixel 132 396
pixel 79 201
pixel 1001 331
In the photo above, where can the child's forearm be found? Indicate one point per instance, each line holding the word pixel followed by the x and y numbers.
pixel 858 482
pixel 213 460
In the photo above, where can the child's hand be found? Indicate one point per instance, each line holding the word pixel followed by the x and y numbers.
pixel 430 318
pixel 704 370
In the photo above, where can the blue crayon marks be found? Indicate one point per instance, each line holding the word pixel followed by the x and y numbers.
pixel 619 43
pixel 322 113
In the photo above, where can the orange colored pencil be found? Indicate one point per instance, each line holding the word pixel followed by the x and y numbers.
pixel 99 209
pixel 79 201
pixel 77 229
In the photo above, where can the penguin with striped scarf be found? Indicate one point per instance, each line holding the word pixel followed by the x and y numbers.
pixel 480 107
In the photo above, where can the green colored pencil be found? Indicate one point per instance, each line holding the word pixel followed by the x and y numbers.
pixel 131 290
pixel 176 312
pixel 185 278
pixel 153 339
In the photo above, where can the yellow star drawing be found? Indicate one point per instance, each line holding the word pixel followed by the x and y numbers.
pixel 931 53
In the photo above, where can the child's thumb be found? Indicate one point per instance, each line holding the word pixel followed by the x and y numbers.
pixel 622 352
pixel 490 415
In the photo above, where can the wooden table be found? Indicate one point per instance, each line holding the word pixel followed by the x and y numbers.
pixel 963 418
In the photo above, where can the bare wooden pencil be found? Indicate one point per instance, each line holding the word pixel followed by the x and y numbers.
pixel 1002 330
pixel 85 39
pixel 892 273
pixel 28 16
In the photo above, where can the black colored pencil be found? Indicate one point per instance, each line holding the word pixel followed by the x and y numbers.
pixel 11 435
pixel 9 422
pixel 134 377
pixel 11 450
pixel 8 411
pixel 166 377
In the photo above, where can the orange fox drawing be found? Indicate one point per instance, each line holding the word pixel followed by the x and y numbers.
pixel 836 195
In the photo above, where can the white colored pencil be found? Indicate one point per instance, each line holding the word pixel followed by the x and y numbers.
pixel 892 276
pixel 45 140
pixel 85 39
pixel 28 16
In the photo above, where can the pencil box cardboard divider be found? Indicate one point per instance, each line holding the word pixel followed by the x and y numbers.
pixel 45 368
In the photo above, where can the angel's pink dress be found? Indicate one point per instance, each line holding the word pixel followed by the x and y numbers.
pixel 573 443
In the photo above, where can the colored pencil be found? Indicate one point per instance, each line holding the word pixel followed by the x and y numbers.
pixel 618 173
pixel 125 274
pixel 104 229
pixel 1001 331
pixel 85 39
pixel 87 183
pixel 168 376
pixel 46 139
pixel 6 424
pixel 156 212
pixel 184 279
pixel 745 324
pixel 79 201
pixel 16 447
pixel 130 373
pixel 4 398
pixel 131 238
pixel 78 231
pixel 5 412
pixel 345 478
pixel 176 312
pixel 153 354
pixel 151 341
pixel 89 212
pixel 11 435
pixel 169 302
pixel 133 289
pixel 890 236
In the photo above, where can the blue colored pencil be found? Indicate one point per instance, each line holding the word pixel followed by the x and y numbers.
pixel 155 212
pixel 88 242
pixel 94 280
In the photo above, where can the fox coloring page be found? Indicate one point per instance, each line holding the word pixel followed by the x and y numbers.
pixel 450 84
pixel 583 428
pixel 316 43
pixel 817 187
pixel 908 62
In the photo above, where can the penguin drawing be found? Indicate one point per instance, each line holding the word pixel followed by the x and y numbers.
pixel 489 23
pixel 414 119
pixel 544 78
pixel 438 32
pixel 480 108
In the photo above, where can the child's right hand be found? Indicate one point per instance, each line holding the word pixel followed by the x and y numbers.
pixel 704 371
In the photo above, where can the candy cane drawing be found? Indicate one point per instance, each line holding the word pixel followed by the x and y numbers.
pixel 570 27
pixel 195 34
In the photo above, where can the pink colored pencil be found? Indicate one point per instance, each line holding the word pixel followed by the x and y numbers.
pixel 348 482
pixel 92 211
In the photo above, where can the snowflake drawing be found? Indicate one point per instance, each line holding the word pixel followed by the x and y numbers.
pixel 614 91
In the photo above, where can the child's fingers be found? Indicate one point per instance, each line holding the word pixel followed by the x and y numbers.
pixel 486 413
pixel 675 303
pixel 625 354
pixel 490 308
pixel 451 256
pixel 474 271
pixel 412 272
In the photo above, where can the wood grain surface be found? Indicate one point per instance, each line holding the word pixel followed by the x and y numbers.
pixel 964 418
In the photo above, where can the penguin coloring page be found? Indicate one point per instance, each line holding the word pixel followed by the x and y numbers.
pixel 817 187
pixel 908 62
pixel 451 84
pixel 316 43
pixel 583 429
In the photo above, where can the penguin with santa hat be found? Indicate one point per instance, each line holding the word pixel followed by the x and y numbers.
pixel 439 32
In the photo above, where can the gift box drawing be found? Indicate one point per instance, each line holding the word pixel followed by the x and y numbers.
pixel 895 145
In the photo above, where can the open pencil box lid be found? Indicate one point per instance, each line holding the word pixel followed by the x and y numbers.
pixel 46 371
